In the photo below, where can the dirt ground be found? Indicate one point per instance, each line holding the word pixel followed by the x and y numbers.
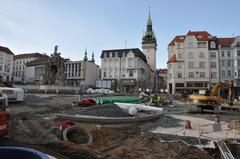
pixel 33 125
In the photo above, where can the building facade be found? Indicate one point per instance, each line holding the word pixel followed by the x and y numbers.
pixel 161 79
pixel 193 62
pixel 76 73
pixel 229 61
pixel 19 64
pixel 126 68
pixel 6 58
pixel 81 73
pixel 199 60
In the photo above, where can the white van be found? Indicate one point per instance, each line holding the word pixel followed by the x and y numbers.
pixel 13 94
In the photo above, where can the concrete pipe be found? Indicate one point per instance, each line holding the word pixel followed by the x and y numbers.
pixel 77 135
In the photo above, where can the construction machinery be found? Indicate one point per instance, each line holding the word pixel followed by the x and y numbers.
pixel 211 100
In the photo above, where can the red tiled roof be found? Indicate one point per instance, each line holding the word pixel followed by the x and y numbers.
pixel 6 50
pixel 173 58
pixel 225 41
pixel 28 55
pixel 200 35
pixel 178 38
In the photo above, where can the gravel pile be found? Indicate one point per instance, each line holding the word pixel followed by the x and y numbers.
pixel 32 99
pixel 108 110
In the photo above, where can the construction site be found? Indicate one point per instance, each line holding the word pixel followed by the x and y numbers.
pixel 115 126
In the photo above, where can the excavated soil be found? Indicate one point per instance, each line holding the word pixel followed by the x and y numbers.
pixel 33 126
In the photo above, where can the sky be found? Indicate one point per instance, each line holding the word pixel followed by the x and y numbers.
pixel 75 25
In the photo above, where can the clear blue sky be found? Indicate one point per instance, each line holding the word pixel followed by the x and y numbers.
pixel 39 25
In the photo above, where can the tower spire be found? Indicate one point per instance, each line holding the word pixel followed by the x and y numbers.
pixel 85 57
pixel 149 22
pixel 149 36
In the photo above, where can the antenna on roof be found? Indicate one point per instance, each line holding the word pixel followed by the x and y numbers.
pixel 125 44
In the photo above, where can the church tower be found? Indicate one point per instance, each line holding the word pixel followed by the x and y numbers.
pixel 149 44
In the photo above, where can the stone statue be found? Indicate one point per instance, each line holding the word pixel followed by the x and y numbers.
pixel 54 69
pixel 55 49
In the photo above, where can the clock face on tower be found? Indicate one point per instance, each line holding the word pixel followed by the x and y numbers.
pixel 212 45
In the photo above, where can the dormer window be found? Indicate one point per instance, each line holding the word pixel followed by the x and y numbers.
pixel 210 37
pixel 182 38
pixel 199 36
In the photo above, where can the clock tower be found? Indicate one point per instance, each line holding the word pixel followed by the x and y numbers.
pixel 149 44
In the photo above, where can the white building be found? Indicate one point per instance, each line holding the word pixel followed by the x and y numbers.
pixel 35 70
pixel 126 68
pixel 229 60
pixel 81 73
pixel 19 64
pixel 6 58
pixel 193 62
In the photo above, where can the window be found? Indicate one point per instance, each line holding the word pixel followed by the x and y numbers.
pixel 104 74
pixel 130 73
pixel 191 75
pixel 223 73
pixel 189 84
pixel 228 54
pixel 202 74
pixel 123 74
pixel 179 84
pixel 202 64
pixel 212 44
pixel 202 44
pixel 190 64
pixel 238 63
pixel 201 55
pixel 213 65
pixel 238 53
pixel 113 54
pixel 223 63
pixel 110 73
pixel 190 45
pixel 178 45
pixel 222 53
pixel 179 75
pixel 190 55
pixel 169 66
pixel 212 54
pixel 238 73
pixel 130 62
pixel 229 63
pixel 229 73
pixel 179 65
pixel 213 74
pixel 170 75
pixel 180 56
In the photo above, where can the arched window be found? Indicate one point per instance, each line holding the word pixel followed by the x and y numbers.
pixel 130 73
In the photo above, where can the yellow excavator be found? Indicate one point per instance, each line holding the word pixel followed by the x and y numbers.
pixel 211 100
